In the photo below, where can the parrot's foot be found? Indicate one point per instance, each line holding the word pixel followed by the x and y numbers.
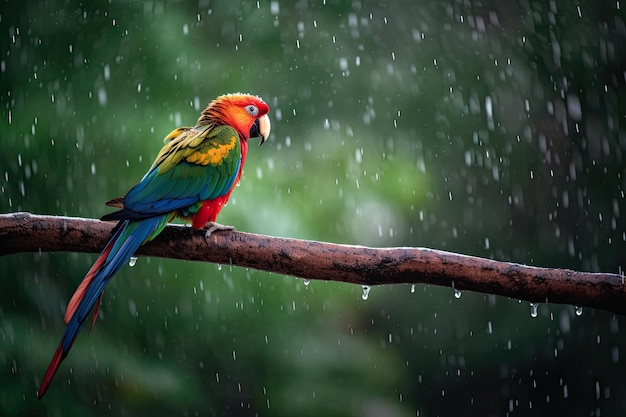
pixel 214 227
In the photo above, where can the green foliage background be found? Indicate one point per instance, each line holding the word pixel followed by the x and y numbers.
pixel 491 129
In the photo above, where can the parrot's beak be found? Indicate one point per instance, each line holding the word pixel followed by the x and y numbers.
pixel 263 127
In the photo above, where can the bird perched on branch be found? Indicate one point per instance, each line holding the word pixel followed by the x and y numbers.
pixel 191 179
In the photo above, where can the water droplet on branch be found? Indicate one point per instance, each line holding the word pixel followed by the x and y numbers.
pixel 366 291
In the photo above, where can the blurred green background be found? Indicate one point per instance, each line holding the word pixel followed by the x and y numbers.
pixel 487 128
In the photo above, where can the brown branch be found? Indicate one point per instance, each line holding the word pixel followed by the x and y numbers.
pixel 23 232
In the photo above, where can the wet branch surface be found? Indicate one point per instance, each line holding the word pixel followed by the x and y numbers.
pixel 24 232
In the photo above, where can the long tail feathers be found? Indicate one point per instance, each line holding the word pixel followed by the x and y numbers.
pixel 125 241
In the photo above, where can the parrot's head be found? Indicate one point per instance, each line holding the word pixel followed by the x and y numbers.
pixel 245 112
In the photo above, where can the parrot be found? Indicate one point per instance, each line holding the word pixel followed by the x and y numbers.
pixel 191 180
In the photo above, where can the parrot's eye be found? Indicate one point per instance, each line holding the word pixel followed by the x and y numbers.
pixel 252 110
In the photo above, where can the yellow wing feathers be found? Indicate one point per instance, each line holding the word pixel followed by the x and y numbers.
pixel 213 154
pixel 206 145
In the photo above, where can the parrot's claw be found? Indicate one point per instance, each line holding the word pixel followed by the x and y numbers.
pixel 214 227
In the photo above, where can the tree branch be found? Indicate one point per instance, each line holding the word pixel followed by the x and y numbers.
pixel 23 232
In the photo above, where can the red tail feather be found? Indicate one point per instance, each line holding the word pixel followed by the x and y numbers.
pixel 80 291
pixel 95 311
pixel 52 369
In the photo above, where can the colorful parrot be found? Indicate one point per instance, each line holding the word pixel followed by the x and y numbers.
pixel 191 179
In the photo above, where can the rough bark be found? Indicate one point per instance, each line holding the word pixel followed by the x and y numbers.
pixel 23 232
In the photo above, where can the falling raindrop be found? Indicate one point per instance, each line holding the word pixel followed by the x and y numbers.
pixel 132 261
pixel 578 310
pixel 412 288
pixel 457 293
pixel 533 309
pixel 306 282
pixel 366 291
